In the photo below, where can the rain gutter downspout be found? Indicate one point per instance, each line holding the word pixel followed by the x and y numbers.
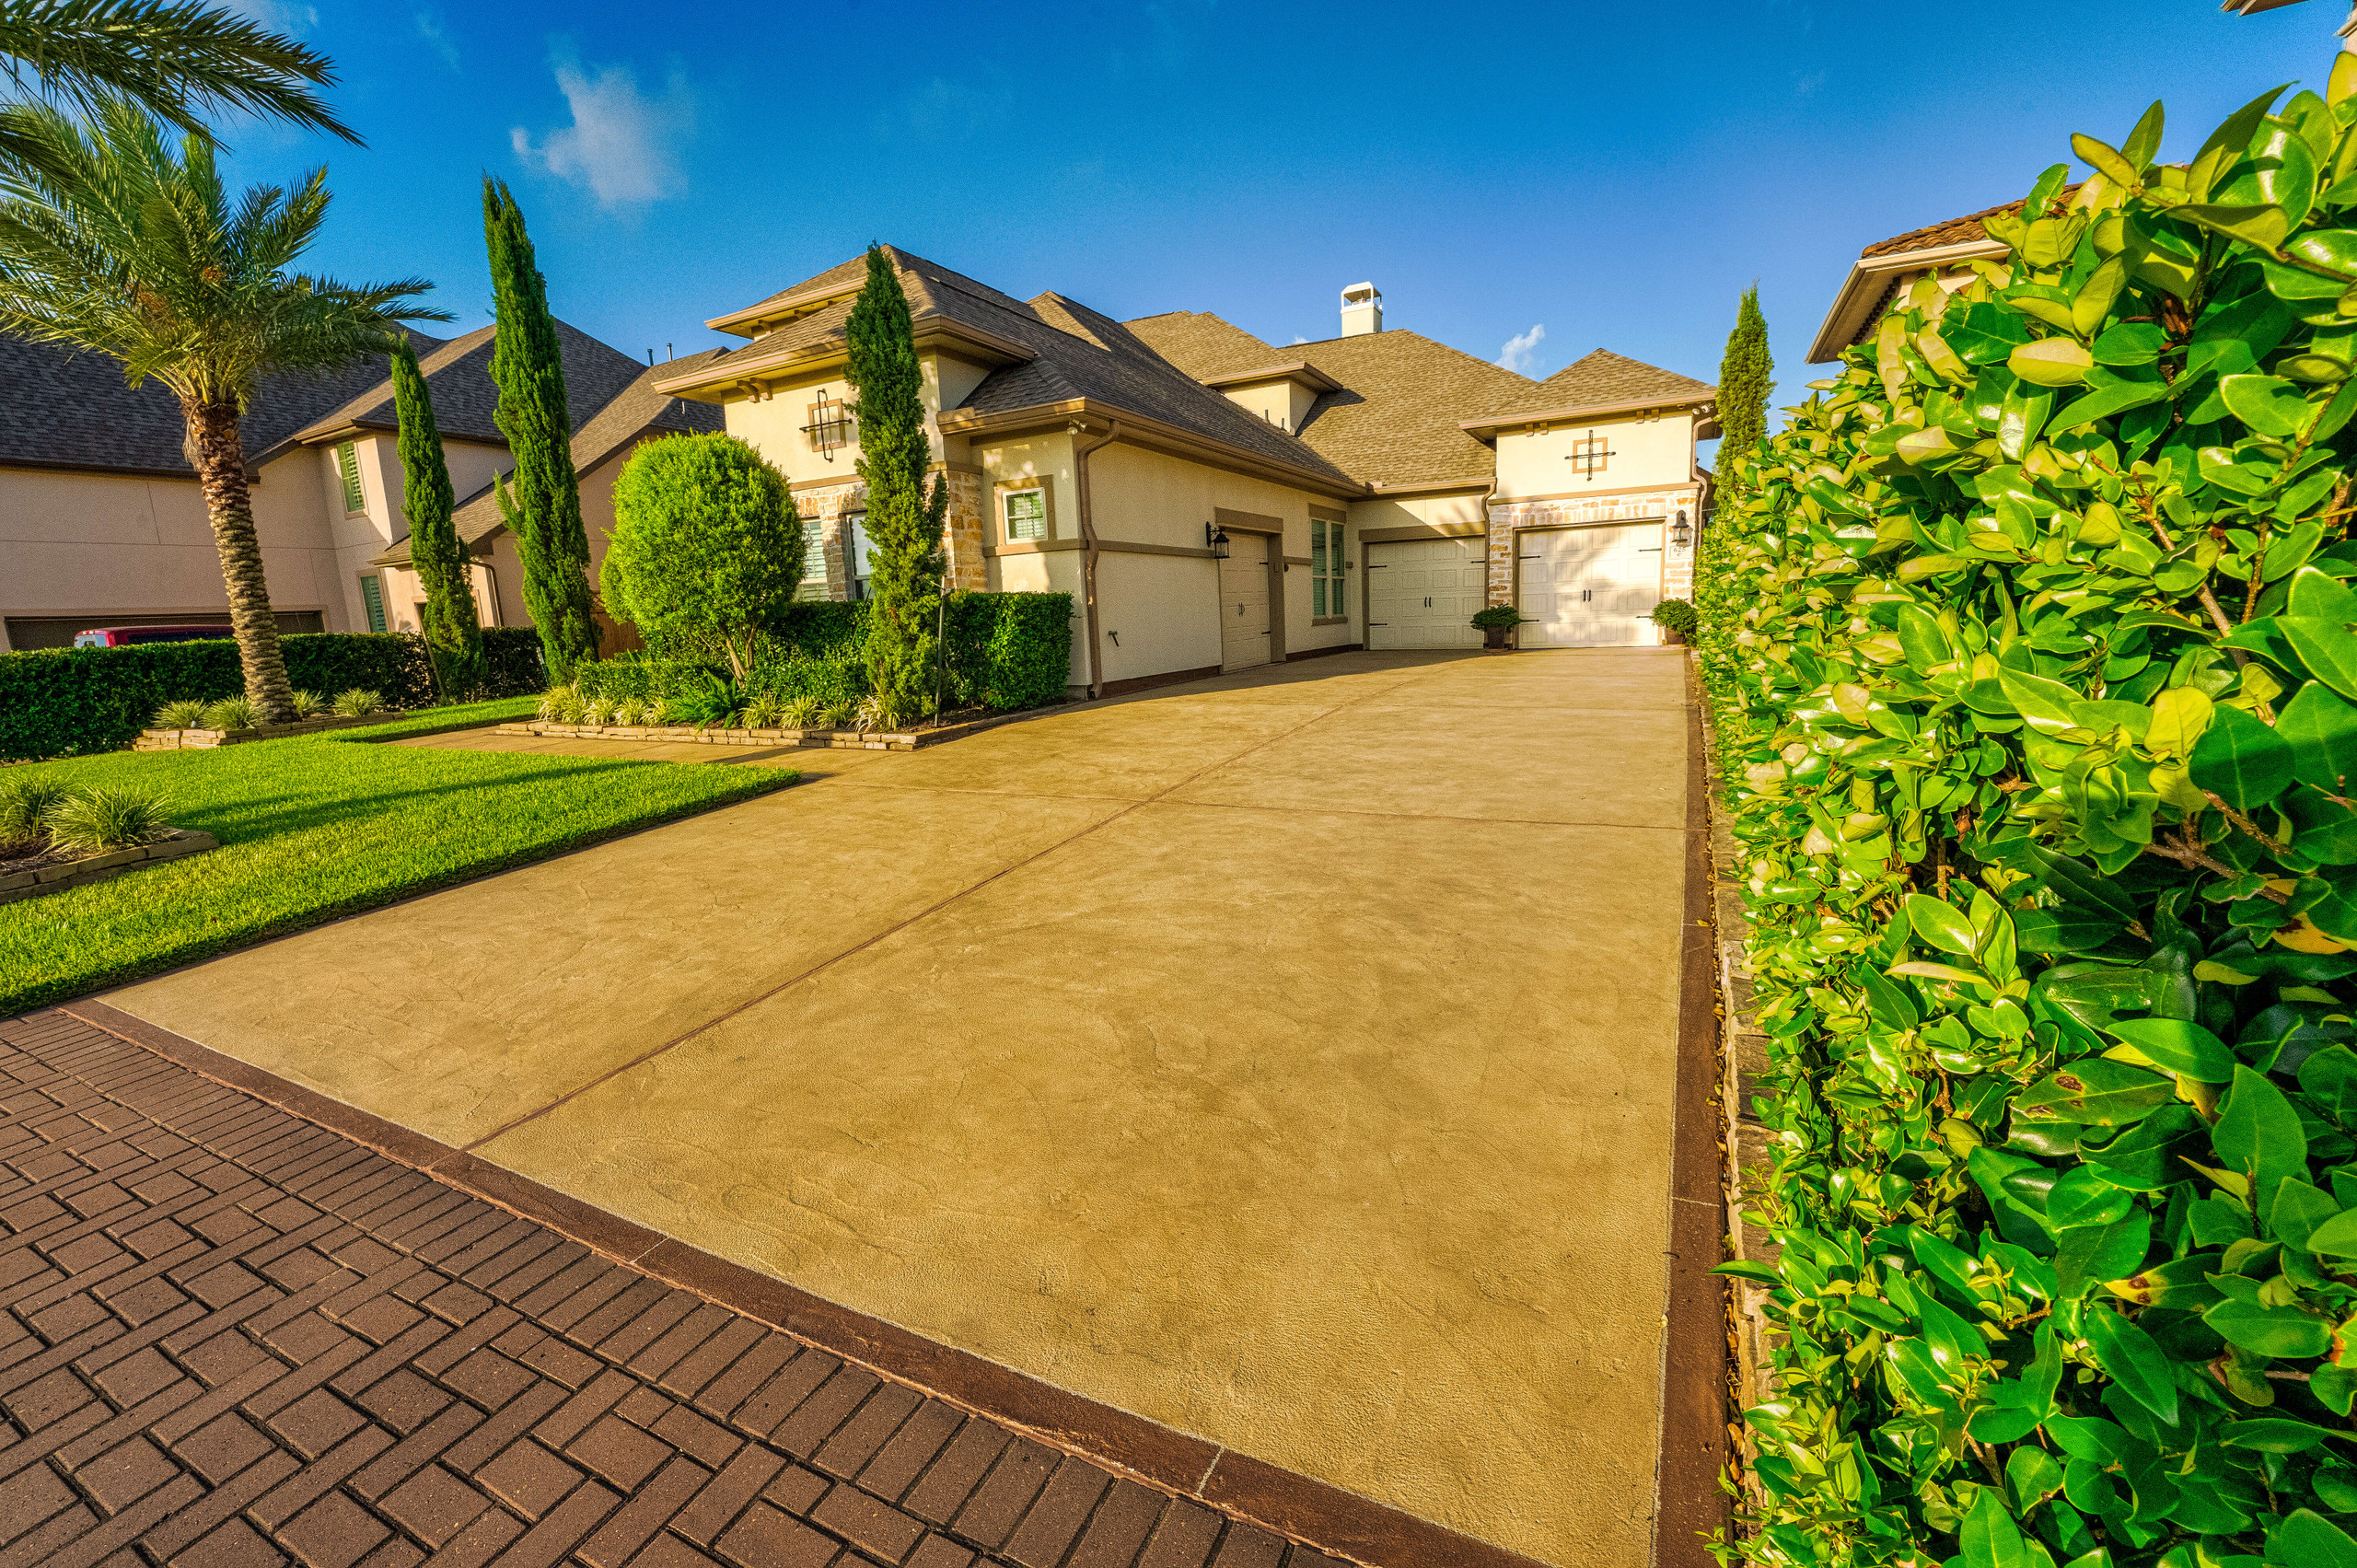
pixel 1080 455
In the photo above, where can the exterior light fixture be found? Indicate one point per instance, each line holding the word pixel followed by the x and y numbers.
pixel 1680 534
pixel 1215 537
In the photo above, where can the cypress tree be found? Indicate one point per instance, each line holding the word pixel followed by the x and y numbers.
pixel 904 522
pixel 1744 384
pixel 453 635
pixel 545 511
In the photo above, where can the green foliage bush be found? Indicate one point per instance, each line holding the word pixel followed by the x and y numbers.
pixel 1676 615
pixel 2038 649
pixel 68 701
pixel 705 543
pixel 1006 651
pixel 1497 617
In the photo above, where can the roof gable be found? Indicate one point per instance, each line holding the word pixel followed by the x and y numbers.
pixel 1603 377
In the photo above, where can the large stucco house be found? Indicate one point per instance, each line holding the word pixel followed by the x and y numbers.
pixel 1214 502
pixel 102 524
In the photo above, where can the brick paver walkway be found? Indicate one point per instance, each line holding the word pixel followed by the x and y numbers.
pixel 232 1337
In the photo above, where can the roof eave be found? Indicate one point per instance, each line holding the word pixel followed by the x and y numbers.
pixel 1494 424
pixel 713 382
pixel 743 324
pixel 1308 374
pixel 1146 431
pixel 1869 275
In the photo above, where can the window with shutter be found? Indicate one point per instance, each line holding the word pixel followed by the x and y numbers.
pixel 347 463
pixel 1027 513
pixel 372 600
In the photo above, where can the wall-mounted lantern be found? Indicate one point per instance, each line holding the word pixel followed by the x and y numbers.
pixel 1680 534
pixel 1216 539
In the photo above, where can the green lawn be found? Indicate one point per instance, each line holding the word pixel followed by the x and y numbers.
pixel 323 826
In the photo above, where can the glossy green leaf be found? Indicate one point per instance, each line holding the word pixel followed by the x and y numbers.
pixel 2258 1134
pixel 1940 924
pixel 2095 1090
pixel 2269 404
pixel 2257 224
pixel 2314 596
pixel 2047 705
pixel 2129 1355
pixel 2321 731
pixel 2052 362
pixel 2179 1047
pixel 2283 1332
pixel 2326 647
pixel 2307 1539
pixel 2241 759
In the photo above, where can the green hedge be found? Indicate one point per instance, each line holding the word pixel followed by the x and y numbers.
pixel 1006 651
pixel 2042 722
pixel 68 701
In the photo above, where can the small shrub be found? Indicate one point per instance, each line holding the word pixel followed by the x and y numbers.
pixel 93 822
pixel 310 704
pixel 358 702
pixel 1496 617
pixel 626 712
pixel 834 716
pixel 186 714
pixel 705 542
pixel 1676 615
pixel 597 711
pixel 654 711
pixel 713 702
pixel 229 713
pixel 554 703
pixel 762 711
pixel 803 713
pixel 26 799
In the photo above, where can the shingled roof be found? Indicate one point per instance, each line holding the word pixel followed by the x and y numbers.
pixel 1074 353
pixel 631 414
pixel 60 409
pixel 1396 420
pixel 457 374
pixel 1602 376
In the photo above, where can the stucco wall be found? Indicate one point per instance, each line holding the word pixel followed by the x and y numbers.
pixel 1659 450
pixel 1464 511
pixel 120 548
pixel 1282 403
pixel 773 427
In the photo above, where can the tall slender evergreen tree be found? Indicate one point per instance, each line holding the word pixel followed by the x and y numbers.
pixel 1744 384
pixel 904 520
pixel 453 635
pixel 544 505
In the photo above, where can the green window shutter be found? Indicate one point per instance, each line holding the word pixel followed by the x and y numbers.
pixel 372 599
pixel 814 560
pixel 347 461
pixel 1317 548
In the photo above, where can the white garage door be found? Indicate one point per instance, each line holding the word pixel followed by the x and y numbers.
pixel 1244 603
pixel 1422 593
pixel 1589 587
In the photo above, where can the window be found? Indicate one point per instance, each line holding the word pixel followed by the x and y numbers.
pixel 372 599
pixel 1026 515
pixel 1327 560
pixel 814 560
pixel 347 463
pixel 857 550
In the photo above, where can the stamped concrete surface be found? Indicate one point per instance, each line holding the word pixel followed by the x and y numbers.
pixel 1284 1057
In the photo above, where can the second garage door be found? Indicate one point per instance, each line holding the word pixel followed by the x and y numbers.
pixel 1244 603
pixel 1422 593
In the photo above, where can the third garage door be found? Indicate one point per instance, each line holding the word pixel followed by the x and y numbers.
pixel 1422 593
pixel 1244 607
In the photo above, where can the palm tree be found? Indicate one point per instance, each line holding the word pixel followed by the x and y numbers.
pixel 112 242
pixel 172 58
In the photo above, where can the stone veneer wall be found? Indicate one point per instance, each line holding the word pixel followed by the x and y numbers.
pixel 1677 564
pixel 962 535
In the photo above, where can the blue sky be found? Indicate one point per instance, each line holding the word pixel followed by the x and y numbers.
pixel 1611 175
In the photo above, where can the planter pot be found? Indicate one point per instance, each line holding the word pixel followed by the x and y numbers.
pixel 1495 636
pixel 1670 639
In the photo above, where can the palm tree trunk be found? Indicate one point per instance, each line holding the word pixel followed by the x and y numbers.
pixel 220 459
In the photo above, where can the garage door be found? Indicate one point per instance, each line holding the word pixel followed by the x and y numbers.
pixel 1422 593
pixel 1589 587
pixel 1244 607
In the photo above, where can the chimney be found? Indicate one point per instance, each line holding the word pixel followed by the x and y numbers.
pixel 1362 309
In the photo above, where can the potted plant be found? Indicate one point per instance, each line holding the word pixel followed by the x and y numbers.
pixel 1495 623
pixel 1676 617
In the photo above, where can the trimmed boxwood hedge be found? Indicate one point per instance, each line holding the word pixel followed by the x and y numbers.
pixel 70 701
pixel 2039 714
pixel 1006 651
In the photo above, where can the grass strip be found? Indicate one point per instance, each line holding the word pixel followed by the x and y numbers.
pixel 441 721
pixel 315 827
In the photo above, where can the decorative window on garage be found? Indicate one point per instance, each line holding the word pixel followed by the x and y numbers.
pixel 1027 513
pixel 347 463
pixel 1327 561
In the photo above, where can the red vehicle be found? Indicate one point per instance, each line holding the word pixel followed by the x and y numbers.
pixel 131 636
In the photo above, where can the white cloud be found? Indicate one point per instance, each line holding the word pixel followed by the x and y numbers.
pixel 436 33
pixel 1521 349
pixel 292 21
pixel 621 144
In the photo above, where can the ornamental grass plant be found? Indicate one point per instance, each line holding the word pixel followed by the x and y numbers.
pixel 2040 698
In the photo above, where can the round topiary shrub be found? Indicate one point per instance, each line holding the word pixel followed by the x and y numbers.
pixel 705 541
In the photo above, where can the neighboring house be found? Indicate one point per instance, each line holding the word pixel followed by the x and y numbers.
pixel 1213 502
pixel 101 521
pixel 1886 269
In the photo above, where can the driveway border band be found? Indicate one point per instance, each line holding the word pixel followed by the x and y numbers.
pixel 1689 1501
pixel 1300 1507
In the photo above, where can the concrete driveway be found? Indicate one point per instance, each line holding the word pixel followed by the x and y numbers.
pixel 1284 1057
